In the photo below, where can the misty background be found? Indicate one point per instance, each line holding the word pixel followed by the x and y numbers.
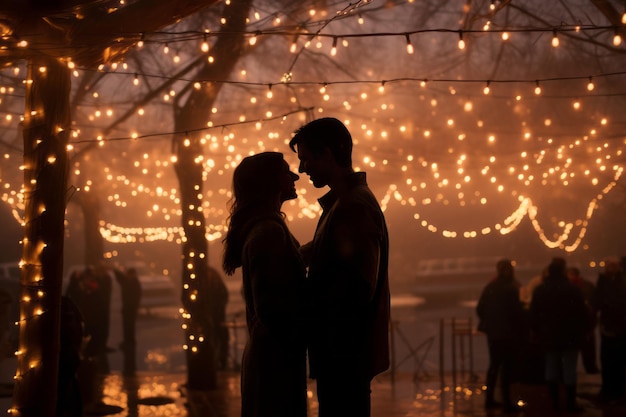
pixel 451 165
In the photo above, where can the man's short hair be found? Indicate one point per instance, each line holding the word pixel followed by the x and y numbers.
pixel 325 133
pixel 557 267
pixel 504 266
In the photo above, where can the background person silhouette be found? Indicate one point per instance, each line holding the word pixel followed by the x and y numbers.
pixel 501 313
pixel 559 322
pixel 610 302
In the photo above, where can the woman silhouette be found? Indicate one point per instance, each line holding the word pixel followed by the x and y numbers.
pixel 273 376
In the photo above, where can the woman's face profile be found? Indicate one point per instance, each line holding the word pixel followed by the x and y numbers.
pixel 287 180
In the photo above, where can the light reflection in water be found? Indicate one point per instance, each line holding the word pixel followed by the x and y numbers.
pixel 137 395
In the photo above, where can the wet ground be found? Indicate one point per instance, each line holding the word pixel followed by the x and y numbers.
pixel 150 394
pixel 432 376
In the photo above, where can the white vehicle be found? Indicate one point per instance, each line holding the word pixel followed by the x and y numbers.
pixel 10 270
pixel 462 278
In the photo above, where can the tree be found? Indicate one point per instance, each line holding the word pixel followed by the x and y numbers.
pixel 202 290
pixel 49 36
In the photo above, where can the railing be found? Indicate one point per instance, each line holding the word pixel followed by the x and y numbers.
pixel 461 332
pixel 418 352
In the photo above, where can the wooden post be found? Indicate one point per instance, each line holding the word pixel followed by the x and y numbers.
pixel 441 353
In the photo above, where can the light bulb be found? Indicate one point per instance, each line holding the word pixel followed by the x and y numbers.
pixel 555 40
pixel 617 40
pixel 333 50
pixel 409 46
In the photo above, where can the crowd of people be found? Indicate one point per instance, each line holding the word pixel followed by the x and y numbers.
pixel 558 315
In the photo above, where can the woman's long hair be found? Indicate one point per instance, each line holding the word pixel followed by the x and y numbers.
pixel 256 193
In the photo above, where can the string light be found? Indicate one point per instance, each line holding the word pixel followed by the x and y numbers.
pixel 590 85
pixel 409 47
pixel 555 39
pixel 294 45
pixel 204 47
pixel 333 50
pixel 175 37
pixel 461 43
pixel 252 40
pixel 617 39
pixel 537 88
pixel 504 33
pixel 526 209
pixel 403 79
pixel 396 194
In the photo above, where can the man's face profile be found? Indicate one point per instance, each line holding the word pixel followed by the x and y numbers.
pixel 317 167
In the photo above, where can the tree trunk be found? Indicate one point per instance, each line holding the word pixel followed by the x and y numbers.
pixel 46 132
pixel 200 326
pixel 204 295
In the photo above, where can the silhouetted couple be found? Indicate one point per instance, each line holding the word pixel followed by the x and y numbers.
pixel 339 309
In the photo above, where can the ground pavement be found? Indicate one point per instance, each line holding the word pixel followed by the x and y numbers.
pixel 406 397
pixel 416 389
pixel 150 394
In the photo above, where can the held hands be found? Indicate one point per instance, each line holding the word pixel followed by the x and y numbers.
pixel 306 252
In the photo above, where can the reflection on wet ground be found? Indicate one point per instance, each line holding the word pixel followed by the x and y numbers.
pixel 414 389
pixel 142 395
pixel 150 394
